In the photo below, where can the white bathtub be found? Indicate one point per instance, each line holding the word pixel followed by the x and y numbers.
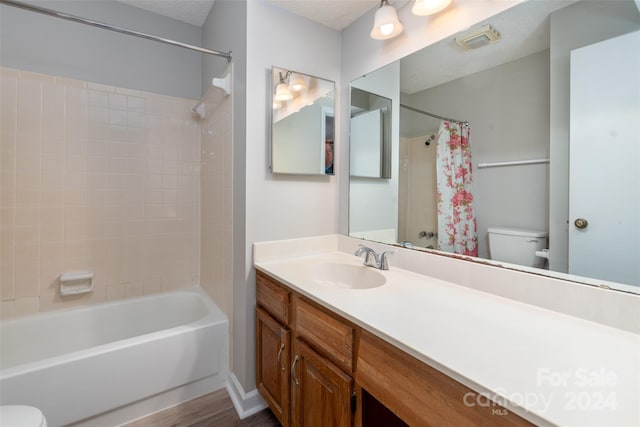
pixel 114 362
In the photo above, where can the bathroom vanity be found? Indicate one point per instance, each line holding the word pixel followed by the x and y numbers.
pixel 339 343
pixel 315 367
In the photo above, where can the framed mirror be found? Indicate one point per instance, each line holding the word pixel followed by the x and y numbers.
pixel 302 124
pixel 524 152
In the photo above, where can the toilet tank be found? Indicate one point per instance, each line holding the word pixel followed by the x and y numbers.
pixel 517 246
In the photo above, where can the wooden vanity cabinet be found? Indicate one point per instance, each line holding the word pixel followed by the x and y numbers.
pixel 272 364
pixel 308 357
pixel 419 394
pixel 304 358
pixel 273 346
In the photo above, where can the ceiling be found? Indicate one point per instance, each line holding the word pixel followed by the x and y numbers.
pixel 336 14
pixel 524 30
pixel 192 12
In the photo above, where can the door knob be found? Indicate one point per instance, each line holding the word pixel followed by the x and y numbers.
pixel 581 223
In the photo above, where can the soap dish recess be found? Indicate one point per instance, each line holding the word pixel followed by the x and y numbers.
pixel 76 283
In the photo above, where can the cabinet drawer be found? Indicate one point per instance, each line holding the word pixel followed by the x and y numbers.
pixel 331 336
pixel 273 297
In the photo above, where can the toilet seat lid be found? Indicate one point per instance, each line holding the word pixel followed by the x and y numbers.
pixel 21 416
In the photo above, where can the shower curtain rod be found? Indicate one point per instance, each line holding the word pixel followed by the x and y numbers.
pixel 432 115
pixel 115 28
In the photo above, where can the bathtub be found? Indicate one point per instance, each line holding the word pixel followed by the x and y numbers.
pixel 114 362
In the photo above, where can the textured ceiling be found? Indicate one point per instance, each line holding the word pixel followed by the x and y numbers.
pixel 193 12
pixel 336 14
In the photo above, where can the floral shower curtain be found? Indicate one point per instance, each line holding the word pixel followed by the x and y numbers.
pixel 457 231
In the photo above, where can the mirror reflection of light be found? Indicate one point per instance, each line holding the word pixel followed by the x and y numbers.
pixel 283 93
pixel 296 82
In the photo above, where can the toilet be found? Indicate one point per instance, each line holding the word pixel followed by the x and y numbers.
pixel 21 416
pixel 517 246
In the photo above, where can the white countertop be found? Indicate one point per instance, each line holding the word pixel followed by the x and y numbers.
pixel 548 367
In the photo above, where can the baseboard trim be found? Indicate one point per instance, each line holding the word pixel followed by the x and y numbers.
pixel 246 404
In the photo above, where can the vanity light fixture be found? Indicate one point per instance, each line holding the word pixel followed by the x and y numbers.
pixel 429 7
pixel 386 24
pixel 296 82
pixel 282 90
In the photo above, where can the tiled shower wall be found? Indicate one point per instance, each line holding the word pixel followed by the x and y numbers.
pixel 96 178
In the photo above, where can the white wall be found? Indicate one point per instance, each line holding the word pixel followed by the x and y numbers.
pixel 604 20
pixel 279 207
pixel 361 54
pixel 502 131
pixel 226 26
pixel 44 44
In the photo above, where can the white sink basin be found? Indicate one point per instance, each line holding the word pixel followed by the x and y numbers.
pixel 346 276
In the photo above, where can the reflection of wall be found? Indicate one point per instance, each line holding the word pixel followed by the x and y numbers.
pixel 417 209
pixel 298 141
pixel 603 20
pixel 314 92
pixel 373 202
pixel 518 130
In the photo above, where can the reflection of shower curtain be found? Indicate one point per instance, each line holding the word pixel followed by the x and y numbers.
pixel 457 231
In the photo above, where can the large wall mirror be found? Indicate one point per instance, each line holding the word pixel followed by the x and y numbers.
pixel 524 151
pixel 302 125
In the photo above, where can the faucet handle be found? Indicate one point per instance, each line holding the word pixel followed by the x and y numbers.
pixel 384 262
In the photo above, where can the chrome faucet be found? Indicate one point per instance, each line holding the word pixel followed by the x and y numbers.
pixel 380 261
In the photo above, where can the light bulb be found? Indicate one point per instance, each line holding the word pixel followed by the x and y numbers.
pixel 386 29
pixel 429 7
pixel 386 24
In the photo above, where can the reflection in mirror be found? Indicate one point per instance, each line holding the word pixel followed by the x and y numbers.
pixel 302 126
pixel 373 211
pixel 551 150
pixel 370 135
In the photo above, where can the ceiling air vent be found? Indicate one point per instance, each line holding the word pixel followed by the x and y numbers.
pixel 478 37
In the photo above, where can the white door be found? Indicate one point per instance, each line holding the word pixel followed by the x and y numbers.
pixel 605 160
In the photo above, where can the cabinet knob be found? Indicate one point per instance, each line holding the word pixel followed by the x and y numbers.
pixel 581 223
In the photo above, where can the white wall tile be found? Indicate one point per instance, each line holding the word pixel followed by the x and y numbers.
pixel 93 179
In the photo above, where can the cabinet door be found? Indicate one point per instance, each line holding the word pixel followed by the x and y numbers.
pixel 272 364
pixel 321 390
